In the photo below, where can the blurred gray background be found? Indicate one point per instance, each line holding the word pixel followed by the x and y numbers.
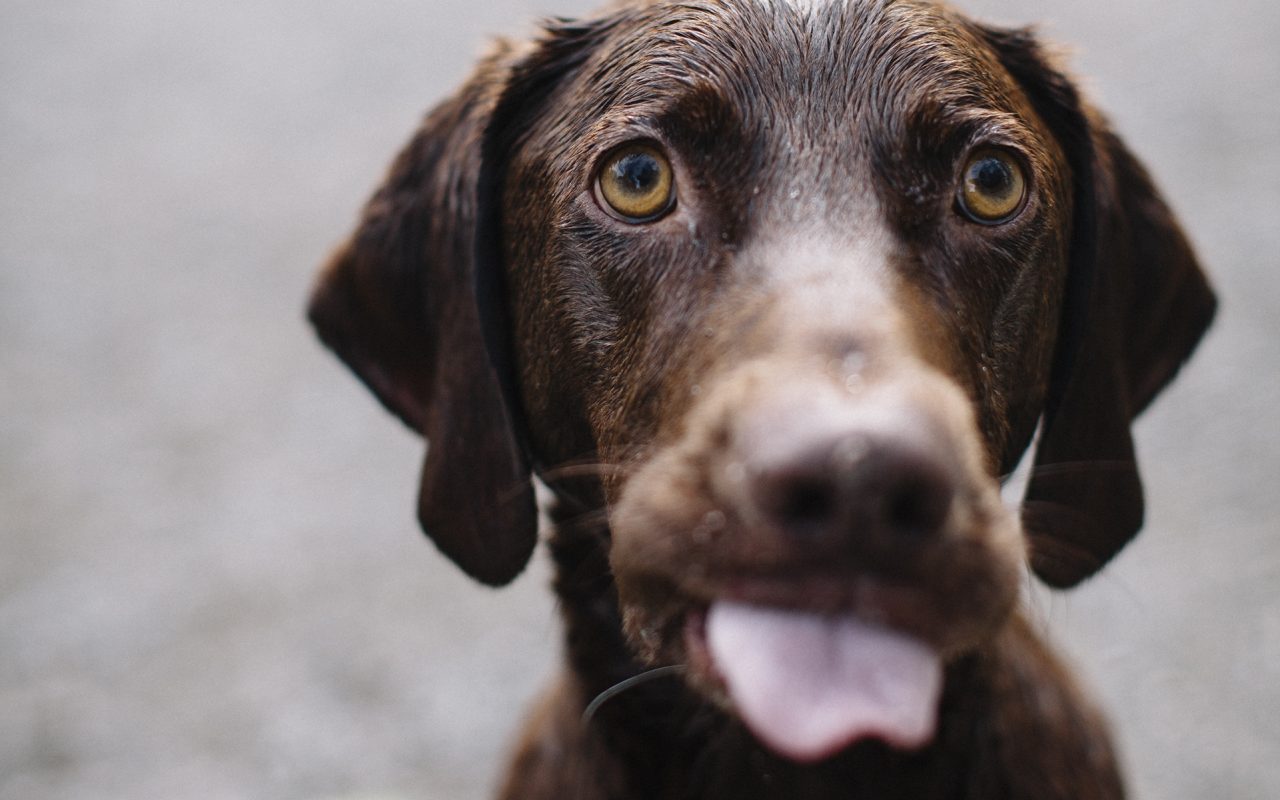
pixel 211 583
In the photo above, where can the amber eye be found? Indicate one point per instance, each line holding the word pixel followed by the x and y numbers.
pixel 636 183
pixel 992 188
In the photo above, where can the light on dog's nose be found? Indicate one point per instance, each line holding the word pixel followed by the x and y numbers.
pixel 992 189
pixel 636 183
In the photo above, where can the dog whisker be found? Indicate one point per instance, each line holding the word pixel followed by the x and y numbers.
pixel 1069 467
pixel 593 521
pixel 630 683
pixel 586 469
pixel 1059 509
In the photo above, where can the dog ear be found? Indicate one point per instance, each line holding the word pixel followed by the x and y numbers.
pixel 1136 304
pixel 407 301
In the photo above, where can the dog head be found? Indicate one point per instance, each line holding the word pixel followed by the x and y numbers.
pixel 804 282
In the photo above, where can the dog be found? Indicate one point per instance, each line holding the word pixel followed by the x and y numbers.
pixel 772 296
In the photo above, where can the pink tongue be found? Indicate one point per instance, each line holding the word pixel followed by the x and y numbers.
pixel 808 685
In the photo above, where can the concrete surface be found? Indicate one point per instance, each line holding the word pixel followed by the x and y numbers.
pixel 211 585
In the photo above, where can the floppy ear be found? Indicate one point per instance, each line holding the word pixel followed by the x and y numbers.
pixel 1135 305
pixel 407 302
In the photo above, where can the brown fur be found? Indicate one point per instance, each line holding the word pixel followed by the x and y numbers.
pixel 814 283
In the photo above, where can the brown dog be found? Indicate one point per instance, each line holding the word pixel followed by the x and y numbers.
pixel 771 295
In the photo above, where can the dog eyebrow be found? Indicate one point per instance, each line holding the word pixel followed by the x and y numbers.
pixel 699 108
pixel 987 120
pixel 948 127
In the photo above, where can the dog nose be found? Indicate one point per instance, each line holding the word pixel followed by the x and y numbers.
pixel 868 485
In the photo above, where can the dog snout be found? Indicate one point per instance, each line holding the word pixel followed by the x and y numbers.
pixel 860 482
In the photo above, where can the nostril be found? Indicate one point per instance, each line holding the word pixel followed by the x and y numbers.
pixel 807 502
pixel 918 505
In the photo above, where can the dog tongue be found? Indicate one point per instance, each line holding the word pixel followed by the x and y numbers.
pixel 807 685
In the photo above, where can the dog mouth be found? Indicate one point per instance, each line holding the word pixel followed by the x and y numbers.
pixel 813 658
pixel 814 655
pixel 809 684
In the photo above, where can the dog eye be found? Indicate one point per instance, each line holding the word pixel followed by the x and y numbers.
pixel 992 187
pixel 636 183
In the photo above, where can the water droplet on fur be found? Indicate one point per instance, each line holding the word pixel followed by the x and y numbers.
pixel 850 451
pixel 650 637
pixel 848 370
pixel 713 519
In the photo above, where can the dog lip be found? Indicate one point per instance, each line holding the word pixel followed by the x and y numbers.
pixel 862 598
pixel 903 606
pixel 697 653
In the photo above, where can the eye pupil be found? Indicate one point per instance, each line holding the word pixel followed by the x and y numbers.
pixel 637 172
pixel 993 176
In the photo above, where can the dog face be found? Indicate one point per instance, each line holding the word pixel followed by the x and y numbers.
pixel 802 282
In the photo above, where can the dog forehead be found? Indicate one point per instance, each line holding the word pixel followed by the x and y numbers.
pixel 811 65
pixel 801 5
